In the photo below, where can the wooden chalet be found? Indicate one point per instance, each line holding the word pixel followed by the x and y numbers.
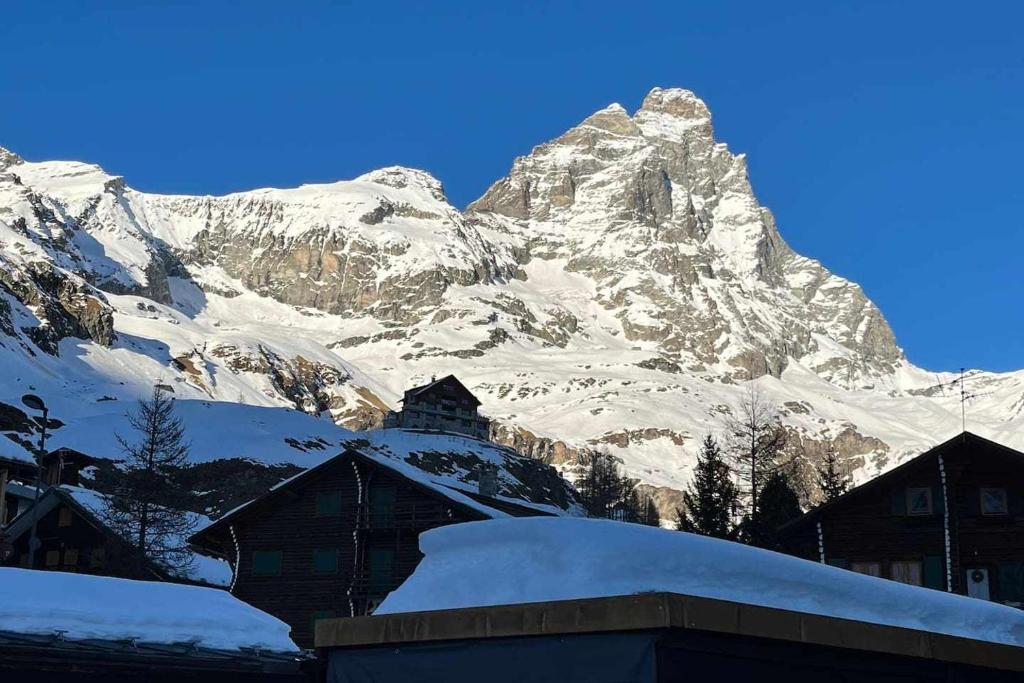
pixel 73 538
pixel 443 405
pixel 336 539
pixel 951 519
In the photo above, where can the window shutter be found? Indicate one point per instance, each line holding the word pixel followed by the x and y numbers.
pixel 1011 581
pixel 899 501
pixel 266 563
pixel 1014 502
pixel 934 572
pixel 938 500
pixel 325 561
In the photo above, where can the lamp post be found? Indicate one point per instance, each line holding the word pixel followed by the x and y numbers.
pixel 35 403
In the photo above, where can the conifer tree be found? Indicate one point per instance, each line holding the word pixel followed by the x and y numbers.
pixel 833 480
pixel 602 488
pixel 148 506
pixel 710 499
pixel 640 508
pixel 777 505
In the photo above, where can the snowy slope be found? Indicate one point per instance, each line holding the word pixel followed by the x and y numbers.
pixel 617 290
pixel 500 562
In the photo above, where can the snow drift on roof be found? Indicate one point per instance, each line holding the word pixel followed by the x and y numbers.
pixel 101 607
pixel 542 559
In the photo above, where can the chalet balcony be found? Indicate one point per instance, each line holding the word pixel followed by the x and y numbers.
pixel 404 516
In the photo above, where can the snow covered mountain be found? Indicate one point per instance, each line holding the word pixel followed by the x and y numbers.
pixel 617 290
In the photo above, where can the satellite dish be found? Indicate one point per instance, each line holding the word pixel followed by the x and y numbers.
pixel 33 402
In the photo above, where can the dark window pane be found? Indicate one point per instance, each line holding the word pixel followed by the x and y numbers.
pixel 328 504
pixel 919 501
pixel 381 562
pixel 382 505
pixel 266 562
pixel 325 561
pixel 993 501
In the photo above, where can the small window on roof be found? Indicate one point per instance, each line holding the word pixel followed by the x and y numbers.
pixel 64 517
pixel 993 501
pixel 328 504
pixel 919 500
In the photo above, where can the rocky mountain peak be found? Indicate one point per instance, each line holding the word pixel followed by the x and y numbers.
pixel 9 158
pixel 676 102
pixel 401 177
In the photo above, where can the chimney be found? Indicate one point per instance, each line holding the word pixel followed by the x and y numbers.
pixel 487 474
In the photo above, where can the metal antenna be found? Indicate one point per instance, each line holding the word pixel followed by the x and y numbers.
pixel 960 383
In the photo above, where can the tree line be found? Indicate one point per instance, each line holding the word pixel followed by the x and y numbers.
pixel 743 487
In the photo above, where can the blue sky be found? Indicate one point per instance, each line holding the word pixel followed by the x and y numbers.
pixel 887 137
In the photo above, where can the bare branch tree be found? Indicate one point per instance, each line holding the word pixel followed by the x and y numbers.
pixel 756 442
pixel 148 507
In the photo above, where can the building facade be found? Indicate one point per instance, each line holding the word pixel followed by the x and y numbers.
pixel 951 519
pixel 443 405
pixel 336 539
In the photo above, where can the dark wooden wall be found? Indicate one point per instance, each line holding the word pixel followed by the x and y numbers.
pixel 79 547
pixel 868 525
pixel 290 523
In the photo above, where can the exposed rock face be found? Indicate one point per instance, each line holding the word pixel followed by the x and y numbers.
pixel 663 219
pixel 616 291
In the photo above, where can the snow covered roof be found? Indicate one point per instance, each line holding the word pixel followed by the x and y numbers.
pixel 446 464
pixel 541 559
pixel 93 507
pixel 81 607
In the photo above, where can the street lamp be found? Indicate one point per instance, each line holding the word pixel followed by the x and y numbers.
pixel 35 403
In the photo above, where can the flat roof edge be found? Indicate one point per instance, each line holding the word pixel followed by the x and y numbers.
pixel 652 611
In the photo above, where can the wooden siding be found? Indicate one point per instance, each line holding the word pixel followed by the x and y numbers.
pixel 289 523
pixel 864 526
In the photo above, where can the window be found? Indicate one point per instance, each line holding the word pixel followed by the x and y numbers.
pixel 64 517
pixel 993 501
pixel 382 505
pixel 52 558
pixel 869 568
pixel 328 504
pixel 325 561
pixel 906 571
pixel 98 558
pixel 266 563
pixel 71 557
pixel 919 500
pixel 381 562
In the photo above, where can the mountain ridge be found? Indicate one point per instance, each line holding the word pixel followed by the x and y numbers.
pixel 615 291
